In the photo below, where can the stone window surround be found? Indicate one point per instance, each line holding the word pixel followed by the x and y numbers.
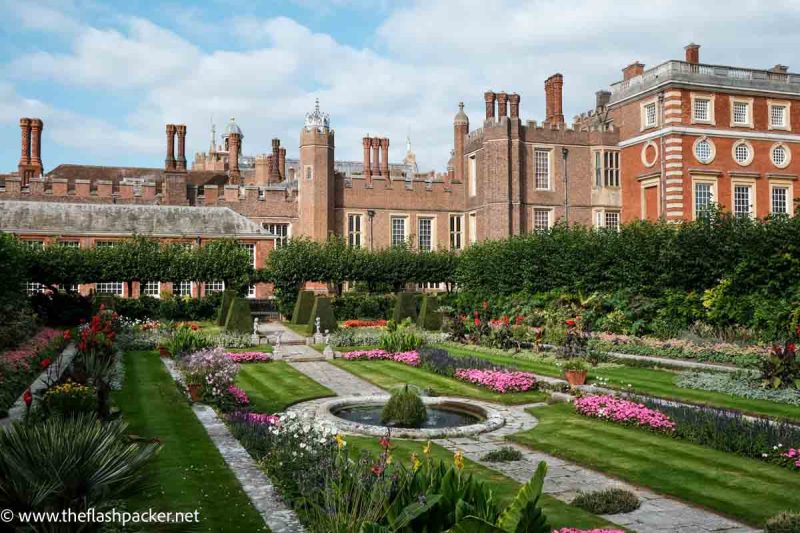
pixel 472 173
pixel 643 114
pixel 404 216
pixel 711 145
pixel 462 230
pixel 788 184
pixel 749 182
pixel 599 214
pixel 361 215
pixel 711 179
pixel 749 146
pixel 711 97
pixel 645 146
pixel 541 208
pixel 602 151
pixel 646 184
pixel 786 150
pixel 787 114
pixel 749 102
pixel 472 227
pixel 432 217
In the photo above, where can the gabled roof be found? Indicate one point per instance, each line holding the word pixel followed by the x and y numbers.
pixel 117 174
pixel 55 218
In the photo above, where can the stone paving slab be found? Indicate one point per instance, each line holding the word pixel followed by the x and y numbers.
pixel 342 382
pixel 255 483
pixel 684 363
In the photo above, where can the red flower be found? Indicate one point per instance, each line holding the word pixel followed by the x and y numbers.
pixel 475 314
pixel 505 320
pixel 67 335
pixel 377 470
pixel 384 442
pixel 102 307
pixel 44 363
pixel 791 347
pixel 571 323
pixel 477 322
pixel 519 319
pixel 27 397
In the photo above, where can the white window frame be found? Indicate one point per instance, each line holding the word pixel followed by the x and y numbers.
pixel 743 142
pixel 472 173
pixel 456 235
pixel 786 150
pixel 712 182
pixel 712 150
pixel 782 184
pixel 787 115
pixel 355 237
pixel 706 97
pixel 281 239
pixel 548 211
pixel 405 219
pixel 646 124
pixel 548 152
pixel 213 286
pixel 145 286
pixel 749 183
pixel 116 288
pixel 252 251
pixel 748 123
pixel 176 289
pixel 432 219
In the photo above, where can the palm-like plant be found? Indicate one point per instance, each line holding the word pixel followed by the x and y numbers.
pixel 74 463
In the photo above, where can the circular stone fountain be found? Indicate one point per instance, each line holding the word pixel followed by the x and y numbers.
pixel 447 417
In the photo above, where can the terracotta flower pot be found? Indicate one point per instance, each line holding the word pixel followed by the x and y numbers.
pixel 575 377
pixel 163 351
pixel 194 392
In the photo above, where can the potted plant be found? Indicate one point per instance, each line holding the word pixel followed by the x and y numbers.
pixel 163 351
pixel 575 371
pixel 195 390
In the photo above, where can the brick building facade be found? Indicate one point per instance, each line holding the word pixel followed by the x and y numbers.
pixel 702 134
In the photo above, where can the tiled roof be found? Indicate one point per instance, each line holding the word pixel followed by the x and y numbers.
pixel 122 219
pixel 117 174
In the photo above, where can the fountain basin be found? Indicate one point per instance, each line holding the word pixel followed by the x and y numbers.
pixel 447 417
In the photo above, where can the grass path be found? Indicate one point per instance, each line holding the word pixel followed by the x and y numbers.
pixel 746 489
pixel 389 374
pixel 189 473
pixel 274 386
pixel 652 382
pixel 559 514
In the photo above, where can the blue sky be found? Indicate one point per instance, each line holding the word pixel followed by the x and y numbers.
pixel 106 76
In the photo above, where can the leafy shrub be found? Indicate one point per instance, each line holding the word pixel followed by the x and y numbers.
pixel 76 463
pixel 69 399
pixel 60 308
pixel 405 307
pixel 186 340
pixel 303 307
pixel 239 318
pixel 400 337
pixel 608 501
pixel 324 311
pixel 18 324
pixel 783 523
pixel 781 369
pixel 356 337
pixel 404 409
pixel 744 384
pixel 502 455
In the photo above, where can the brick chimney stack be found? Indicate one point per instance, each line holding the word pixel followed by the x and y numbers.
pixel 180 161
pixel 234 147
pixel 502 105
pixel 460 132
pixel 169 161
pixel 601 99
pixel 274 173
pixel 489 97
pixel 556 88
pixel 282 163
pixel 366 142
pixel 692 53
pixel 376 156
pixel 25 133
pixel 548 99
pixel 36 144
pixel 513 100
pixel 385 158
pixel 632 70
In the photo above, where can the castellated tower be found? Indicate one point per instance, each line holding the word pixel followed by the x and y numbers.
pixel 315 200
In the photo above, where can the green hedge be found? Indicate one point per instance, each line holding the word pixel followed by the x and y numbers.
pixel 323 308
pixel 429 316
pixel 405 307
pixel 225 305
pixel 357 305
pixel 239 319
pixel 303 307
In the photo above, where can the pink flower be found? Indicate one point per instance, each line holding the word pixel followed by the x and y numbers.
pixel 623 411
pixel 407 358
pixel 248 357
pixel 239 395
pixel 501 381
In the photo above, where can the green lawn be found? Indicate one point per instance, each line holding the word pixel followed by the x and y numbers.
pixel 649 381
pixel 388 374
pixel 274 386
pixel 300 329
pixel 747 489
pixel 559 514
pixel 188 473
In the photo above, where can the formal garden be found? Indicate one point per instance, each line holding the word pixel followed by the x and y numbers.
pixel 574 380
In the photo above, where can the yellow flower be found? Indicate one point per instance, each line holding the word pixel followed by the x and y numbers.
pixel 340 442
pixel 416 464
pixel 427 449
pixel 389 459
pixel 458 460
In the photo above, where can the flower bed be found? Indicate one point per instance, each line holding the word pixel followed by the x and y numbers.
pixel 719 352
pixel 21 365
pixel 408 358
pixel 501 381
pixel 248 357
pixel 624 411
pixel 364 323
pixel 743 384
